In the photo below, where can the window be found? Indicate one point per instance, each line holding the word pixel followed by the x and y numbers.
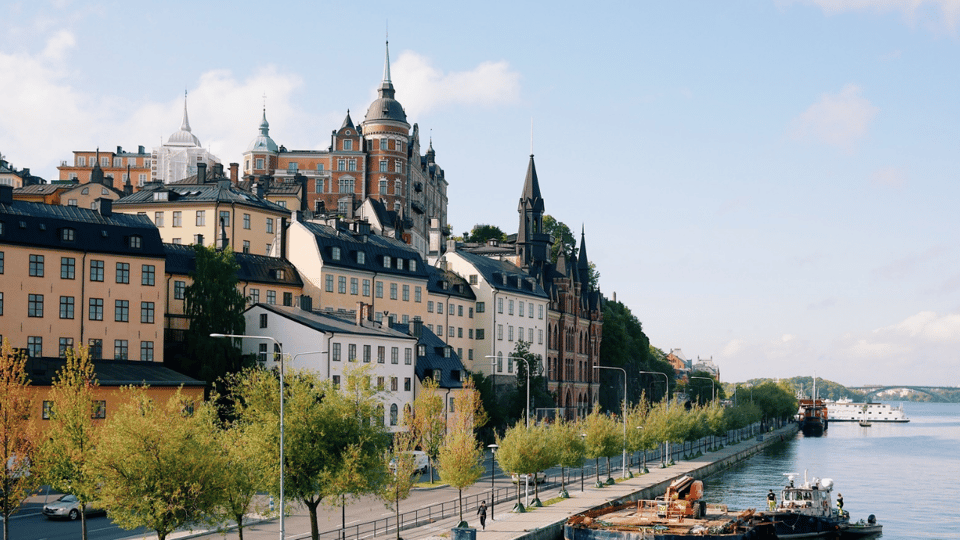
pixel 66 307
pixel 352 165
pixel 500 332
pixel 318 187
pixel 96 270
pixel 473 279
pixel 510 307
pixel 47 412
pixel 293 167
pixel 520 309
pixel 158 219
pixel 1 253
pixel 96 349
pixel 354 286
pixel 394 355
pixel 271 297
pixel 509 364
pixel 393 384
pixel 336 352
pixel 380 384
pixel 224 218
pixel 35 346
pixel 540 312
pixel 387 262
pixel 366 353
pixel 509 332
pixel 406 293
pixel 96 309
pixel 342 284
pixel 351 352
pixel 439 330
pixel 397 186
pixel 68 234
pixel 201 218
pixel 394 412
pixel 348 144
pixel 429 306
pixel 288 298
pixel 335 253
pixel 408 356
pixel 417 294
pixel 540 336
pixel 35 305
pixel 379 289
pixel 383 144
pixel 481 307
pixel 136 241
pixel 361 257
pixel 121 310
pixel 36 265
pixel 179 290
pixel 246 246
pixel 269 225
pixel 381 354
pixel 383 168
pixel 393 291
pixel 68 267
pixel 254 296
pixel 123 272
pixel 246 221
pixel 406 384
pixel 440 307
pixel 262 352
pixel 259 163
pixel 146 351
pixel 413 265
pixel 177 218
pixel 148 275
pixel 346 185
pixel 336 381
pixel 480 333
pixel 470 312
pixel 451 310
pixel 146 312
pixel 328 280
pixel 499 305
pixel 366 287
pixel 450 331
pixel 120 349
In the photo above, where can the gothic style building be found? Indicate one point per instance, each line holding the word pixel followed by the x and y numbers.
pixel 378 159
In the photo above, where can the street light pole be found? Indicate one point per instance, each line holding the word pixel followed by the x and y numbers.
pixel 280 349
pixel 713 387
pixel 493 463
pixel 623 412
pixel 667 380
pixel 493 366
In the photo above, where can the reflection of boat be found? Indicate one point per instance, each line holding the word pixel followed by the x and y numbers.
pixel 844 410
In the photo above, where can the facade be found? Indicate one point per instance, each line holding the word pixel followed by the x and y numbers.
pixel 450 311
pixel 217 214
pixel 435 359
pixel 41 193
pixel 379 159
pixel 345 264
pixel 116 167
pixel 73 276
pixel 86 195
pixel 331 346
pixel 10 176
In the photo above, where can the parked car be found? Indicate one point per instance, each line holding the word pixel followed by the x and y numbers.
pixel 539 478
pixel 420 460
pixel 67 507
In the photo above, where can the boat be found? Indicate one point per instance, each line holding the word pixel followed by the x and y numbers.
pixel 806 511
pixel 677 515
pixel 846 410
pixel 864 423
pixel 861 529
pixel 813 416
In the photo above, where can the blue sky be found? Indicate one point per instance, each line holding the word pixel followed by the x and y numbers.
pixel 772 184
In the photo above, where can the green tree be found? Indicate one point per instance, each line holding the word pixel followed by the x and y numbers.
pixel 16 436
pixel 517 454
pixel 461 456
pixel 429 422
pixel 242 472
pixel 716 422
pixel 565 439
pixel 538 383
pixel 68 453
pixel 625 345
pixel 563 238
pixel 403 466
pixel 638 437
pixel 482 232
pixel 214 304
pixel 162 468
pixel 604 439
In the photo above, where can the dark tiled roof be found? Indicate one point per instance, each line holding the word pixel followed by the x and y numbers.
pixel 42 372
pixel 455 285
pixel 221 192
pixel 181 259
pixel 323 322
pixel 40 189
pixel 434 359
pixel 494 271
pixel 375 248
pixel 37 224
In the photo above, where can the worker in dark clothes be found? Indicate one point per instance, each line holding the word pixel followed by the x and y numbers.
pixel 482 512
pixel 771 500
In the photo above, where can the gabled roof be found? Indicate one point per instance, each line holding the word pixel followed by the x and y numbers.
pixel 374 247
pixel 181 260
pixel 221 192
pixel 42 225
pixel 40 189
pixel 43 371
pixel 326 323
pixel 504 276
pixel 434 359
pixel 447 282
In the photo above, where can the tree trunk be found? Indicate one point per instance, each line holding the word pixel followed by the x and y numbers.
pixel 83 521
pixel 397 511
pixel 563 484
pixel 239 518
pixel 460 499
pixel 312 508
pixel 596 461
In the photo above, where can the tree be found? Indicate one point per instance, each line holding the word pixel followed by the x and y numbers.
pixel 68 453
pixel 163 466
pixel 214 304
pixel 517 454
pixel 16 436
pixel 716 421
pixel 538 383
pixel 481 233
pixel 563 238
pixel 242 472
pixel 603 439
pixel 429 423
pixel 565 438
pixel 638 437
pixel 461 456
pixel 402 468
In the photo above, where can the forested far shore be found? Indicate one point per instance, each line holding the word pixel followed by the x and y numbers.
pixel 827 389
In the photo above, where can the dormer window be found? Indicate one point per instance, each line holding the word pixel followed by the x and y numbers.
pixel 447 351
pixel 436 375
pixel 68 234
pixel 399 264
pixel 161 196
pixel 387 263
pixel 421 350
pixel 279 273
pixel 335 253
pixel 136 242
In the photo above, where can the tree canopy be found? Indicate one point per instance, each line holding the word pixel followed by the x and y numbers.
pixel 625 345
pixel 16 436
pixel 482 232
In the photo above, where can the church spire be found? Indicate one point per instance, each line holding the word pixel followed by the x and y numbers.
pixel 185 125
pixel 533 244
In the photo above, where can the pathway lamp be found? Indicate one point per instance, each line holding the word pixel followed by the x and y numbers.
pixel 493 463
pixel 583 463
pixel 623 413
pixel 713 387
pixel 493 364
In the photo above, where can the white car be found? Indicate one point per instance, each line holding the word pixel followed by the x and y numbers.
pixel 420 460
pixel 539 478
pixel 67 507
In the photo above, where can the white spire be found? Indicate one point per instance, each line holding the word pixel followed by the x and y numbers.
pixel 185 126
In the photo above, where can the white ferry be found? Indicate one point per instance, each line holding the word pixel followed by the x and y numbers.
pixel 845 410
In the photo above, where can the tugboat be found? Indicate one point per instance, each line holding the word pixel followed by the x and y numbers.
pixel 812 415
pixel 805 511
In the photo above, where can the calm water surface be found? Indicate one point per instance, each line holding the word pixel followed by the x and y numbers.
pixel 906 474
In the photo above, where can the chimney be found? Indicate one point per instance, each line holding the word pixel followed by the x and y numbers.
pixel 105 206
pixel 361 313
pixel 283 238
pixel 140 149
pixel 258 190
pixel 218 169
pixel 416 327
pixel 306 302
pixel 119 149
pixel 234 172
pixel 6 194
pixel 201 173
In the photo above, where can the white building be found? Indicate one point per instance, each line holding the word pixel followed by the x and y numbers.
pixel 330 345
pixel 178 158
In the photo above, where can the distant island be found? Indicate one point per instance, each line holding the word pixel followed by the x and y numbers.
pixel 827 389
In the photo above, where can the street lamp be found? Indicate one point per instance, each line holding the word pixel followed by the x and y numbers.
pixel 583 463
pixel 493 463
pixel 623 412
pixel 713 387
pixel 280 349
pixel 667 380
pixel 493 364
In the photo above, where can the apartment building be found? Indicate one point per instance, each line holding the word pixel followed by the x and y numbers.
pixel 117 167
pixel 72 276
pixel 450 311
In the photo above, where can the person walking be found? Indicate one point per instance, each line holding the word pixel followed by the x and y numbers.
pixel 771 500
pixel 482 512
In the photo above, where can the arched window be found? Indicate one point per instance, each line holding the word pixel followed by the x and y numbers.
pixel 393 414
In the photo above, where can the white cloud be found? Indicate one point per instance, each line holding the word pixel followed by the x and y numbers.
pixel 838 120
pixel 931 13
pixel 426 87
pixel 890 177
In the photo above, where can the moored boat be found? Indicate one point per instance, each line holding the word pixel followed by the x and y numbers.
pixel 806 511
pixel 813 417
pixel 845 410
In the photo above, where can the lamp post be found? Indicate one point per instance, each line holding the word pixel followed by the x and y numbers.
pixel 493 364
pixel 583 436
pixel 493 463
pixel 713 388
pixel 623 412
pixel 667 380
pixel 280 349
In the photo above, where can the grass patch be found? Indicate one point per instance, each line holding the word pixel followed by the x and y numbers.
pixel 554 500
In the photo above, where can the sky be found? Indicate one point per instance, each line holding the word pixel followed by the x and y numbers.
pixel 771 184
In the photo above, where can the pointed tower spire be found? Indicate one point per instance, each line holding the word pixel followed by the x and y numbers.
pixel 583 262
pixel 533 244
pixel 185 125
pixel 386 86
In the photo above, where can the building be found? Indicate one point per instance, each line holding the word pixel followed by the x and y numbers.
pixel 73 276
pixel 10 176
pixel 41 193
pixel 450 311
pixel 378 159
pixel 180 156
pixel 115 168
pixel 435 359
pixel 217 214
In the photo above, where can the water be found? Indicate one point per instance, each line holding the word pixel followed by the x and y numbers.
pixel 905 474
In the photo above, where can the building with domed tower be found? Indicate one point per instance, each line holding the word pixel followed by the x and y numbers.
pixel 178 157
pixel 379 158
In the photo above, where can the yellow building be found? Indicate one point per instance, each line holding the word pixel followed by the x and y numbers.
pixel 72 276
pixel 208 213
pixel 116 166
